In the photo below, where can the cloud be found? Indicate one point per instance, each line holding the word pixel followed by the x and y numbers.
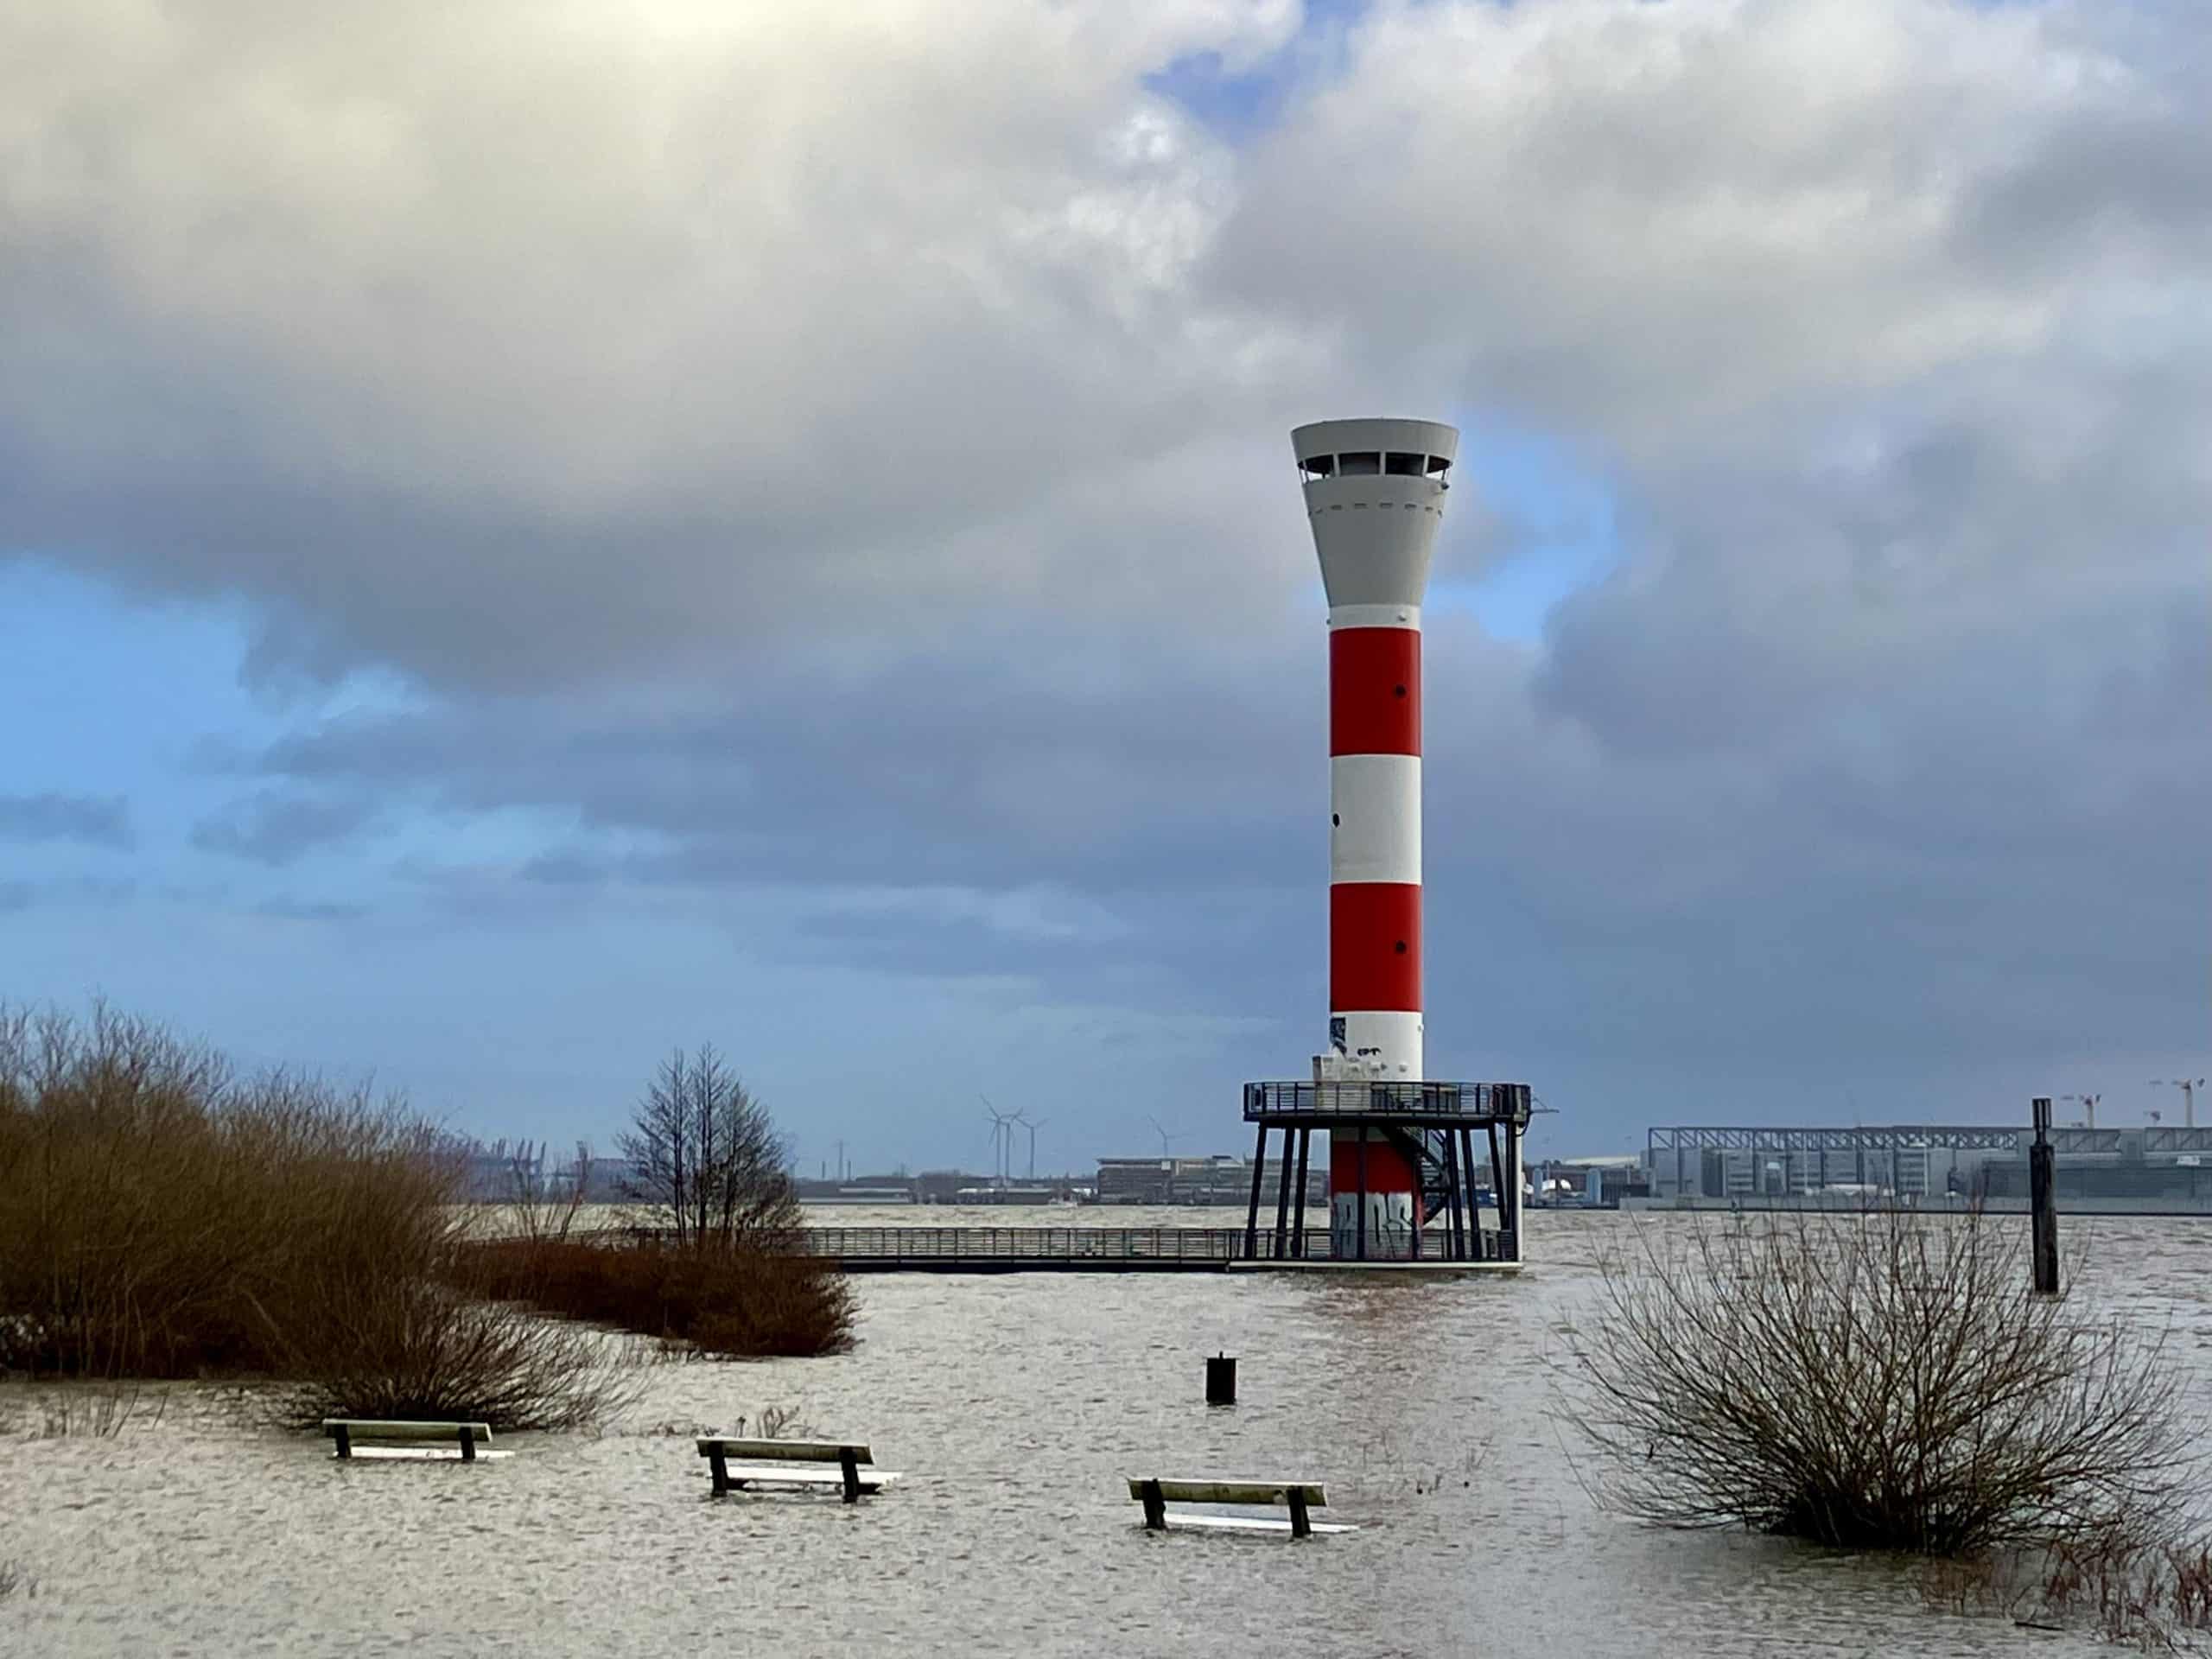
pixel 863 503
pixel 276 828
pixel 94 820
pixel 298 910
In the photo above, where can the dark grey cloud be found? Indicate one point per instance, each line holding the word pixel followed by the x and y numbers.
pixel 306 910
pixel 94 820
pixel 276 828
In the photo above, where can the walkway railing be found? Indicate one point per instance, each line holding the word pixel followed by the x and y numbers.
pixel 1047 1245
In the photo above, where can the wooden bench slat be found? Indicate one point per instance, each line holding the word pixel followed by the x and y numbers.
pixel 785 1450
pixel 363 1428
pixel 1189 1520
pixel 1234 1491
pixel 765 1474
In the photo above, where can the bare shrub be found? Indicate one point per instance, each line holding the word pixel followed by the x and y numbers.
pixel 540 1208
pixel 1873 1381
pixel 413 1349
pixel 97 1412
pixel 161 1216
pixel 733 1302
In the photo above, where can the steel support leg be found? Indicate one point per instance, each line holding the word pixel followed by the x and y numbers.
pixel 1361 1252
pixel 1252 1216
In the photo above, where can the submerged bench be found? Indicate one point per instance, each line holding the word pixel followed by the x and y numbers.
pixel 1300 1496
pixel 467 1437
pixel 793 1463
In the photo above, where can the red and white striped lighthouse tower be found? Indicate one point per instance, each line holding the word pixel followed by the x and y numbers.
pixel 1375 495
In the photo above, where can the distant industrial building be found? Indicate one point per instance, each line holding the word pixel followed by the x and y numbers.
pixel 2147 1167
pixel 1216 1180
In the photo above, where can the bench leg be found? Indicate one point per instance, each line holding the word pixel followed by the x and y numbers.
pixel 721 1465
pixel 1155 1507
pixel 344 1436
pixel 851 1466
pixel 468 1443
pixel 1301 1525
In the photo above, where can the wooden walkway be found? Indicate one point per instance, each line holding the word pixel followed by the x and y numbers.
pixel 1083 1249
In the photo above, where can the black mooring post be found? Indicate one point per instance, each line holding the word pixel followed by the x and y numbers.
pixel 1305 1146
pixel 1360 1254
pixel 1252 1216
pixel 1301 1524
pixel 1282 1198
pixel 849 1466
pixel 468 1443
pixel 1155 1507
pixel 1221 1380
pixel 2042 1189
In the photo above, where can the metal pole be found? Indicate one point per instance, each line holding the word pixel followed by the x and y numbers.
pixel 1305 1148
pixel 2043 1200
pixel 1282 1198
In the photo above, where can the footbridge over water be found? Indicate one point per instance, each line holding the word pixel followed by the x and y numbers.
pixel 1124 1249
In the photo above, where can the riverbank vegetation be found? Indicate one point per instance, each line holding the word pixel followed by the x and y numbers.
pixel 1873 1381
pixel 163 1216
pixel 711 1266
pixel 1889 1381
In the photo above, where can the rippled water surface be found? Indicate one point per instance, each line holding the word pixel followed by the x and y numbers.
pixel 1016 1405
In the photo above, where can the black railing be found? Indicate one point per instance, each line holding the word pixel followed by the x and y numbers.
pixel 1047 1245
pixel 1482 1102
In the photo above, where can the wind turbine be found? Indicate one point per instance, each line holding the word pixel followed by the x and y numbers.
pixel 1032 1129
pixel 1165 1137
pixel 1001 1138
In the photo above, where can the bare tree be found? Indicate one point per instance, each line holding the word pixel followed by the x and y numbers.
pixel 1872 1381
pixel 705 1154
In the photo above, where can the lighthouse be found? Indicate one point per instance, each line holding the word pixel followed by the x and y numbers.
pixel 1402 1160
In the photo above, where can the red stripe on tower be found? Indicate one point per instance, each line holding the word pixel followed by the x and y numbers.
pixel 1375 691
pixel 1374 946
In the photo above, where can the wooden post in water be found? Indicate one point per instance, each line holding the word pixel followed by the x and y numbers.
pixel 2043 1200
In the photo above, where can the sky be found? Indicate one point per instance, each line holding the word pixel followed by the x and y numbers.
pixel 532 534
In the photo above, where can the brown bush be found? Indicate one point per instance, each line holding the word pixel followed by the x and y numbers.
pixel 1878 1381
pixel 161 1216
pixel 747 1303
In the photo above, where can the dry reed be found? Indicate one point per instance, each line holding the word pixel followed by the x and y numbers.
pixel 162 1216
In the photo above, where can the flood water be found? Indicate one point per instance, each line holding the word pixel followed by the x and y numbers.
pixel 1016 1406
